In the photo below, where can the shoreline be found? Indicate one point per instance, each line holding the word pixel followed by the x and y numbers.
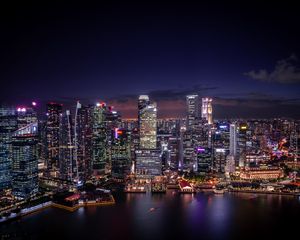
pixel 264 192
pixel 41 207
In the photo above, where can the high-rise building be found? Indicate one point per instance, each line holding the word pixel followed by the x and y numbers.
pixel 204 159
pixel 193 111
pixel 219 163
pixel 26 116
pixel 54 112
pixel 25 162
pixel 83 141
pixel 67 165
pixel 233 140
pixel 242 144
pixel 207 110
pixel 99 140
pixel 120 153
pixel 8 124
pixel 147 125
pixel 148 162
pixel 148 157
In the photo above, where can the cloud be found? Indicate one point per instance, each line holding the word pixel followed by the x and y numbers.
pixel 285 71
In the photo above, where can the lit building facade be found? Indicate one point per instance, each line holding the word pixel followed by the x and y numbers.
pixel 120 153
pixel 148 157
pixel 148 163
pixel 99 140
pixel 193 111
pixel 54 112
pixel 8 124
pixel 25 162
pixel 207 110
pixel 67 163
pixel 148 127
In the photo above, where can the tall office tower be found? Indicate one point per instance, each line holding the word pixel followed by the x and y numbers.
pixel 148 157
pixel 143 102
pixel 99 140
pixel 54 111
pixel 112 121
pixel 120 153
pixel 204 160
pixel 233 140
pixel 25 162
pixel 192 102
pixel 148 127
pixel 148 163
pixel 83 141
pixel 219 163
pixel 242 144
pixel 174 149
pixel 207 110
pixel 189 143
pixel 8 124
pixel 67 165
pixel 26 116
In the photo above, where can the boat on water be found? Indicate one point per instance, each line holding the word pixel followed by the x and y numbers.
pixel 219 190
pixel 151 209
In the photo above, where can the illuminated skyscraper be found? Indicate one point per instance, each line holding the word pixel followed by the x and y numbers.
pixel 120 153
pixel 207 110
pixel 25 162
pixel 148 157
pixel 67 164
pixel 99 139
pixel 148 126
pixel 8 124
pixel 83 140
pixel 54 111
pixel 233 140
pixel 192 102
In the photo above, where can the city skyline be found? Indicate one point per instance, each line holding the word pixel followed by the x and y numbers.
pixel 149 120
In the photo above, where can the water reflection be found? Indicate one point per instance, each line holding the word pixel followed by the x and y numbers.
pixel 186 216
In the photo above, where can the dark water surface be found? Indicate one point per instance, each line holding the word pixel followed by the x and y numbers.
pixel 200 216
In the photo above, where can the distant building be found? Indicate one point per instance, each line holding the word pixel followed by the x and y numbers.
pixel 99 140
pixel 148 157
pixel 25 162
pixel 120 153
pixel 207 110
pixel 54 112
pixel 220 155
pixel 261 173
pixel 8 124
pixel 193 111
pixel 204 160
pixel 148 163
pixel 83 140
pixel 67 164
pixel 148 126
pixel 233 140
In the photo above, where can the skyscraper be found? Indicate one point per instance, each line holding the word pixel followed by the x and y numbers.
pixel 148 125
pixel 207 110
pixel 120 153
pixel 54 111
pixel 67 165
pixel 99 140
pixel 8 124
pixel 148 157
pixel 192 102
pixel 83 140
pixel 25 162
pixel 233 140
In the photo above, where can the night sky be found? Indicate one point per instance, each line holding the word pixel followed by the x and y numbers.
pixel 246 56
